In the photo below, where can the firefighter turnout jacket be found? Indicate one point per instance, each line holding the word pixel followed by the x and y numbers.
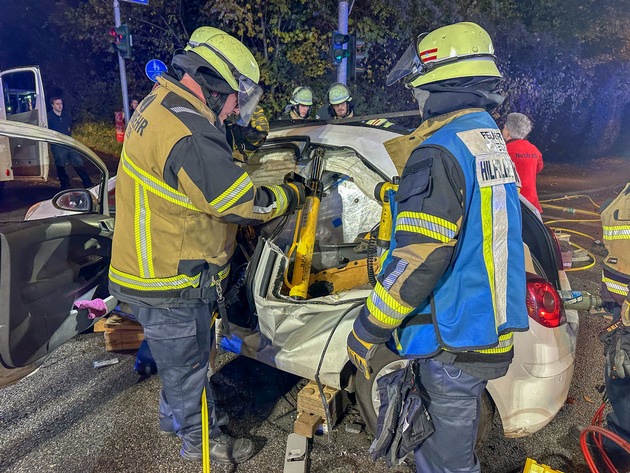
pixel 179 200
pixel 616 231
pixel 454 278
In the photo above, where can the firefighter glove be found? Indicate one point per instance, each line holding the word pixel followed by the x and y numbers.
pixel 360 352
pixel 616 340
pixel 296 195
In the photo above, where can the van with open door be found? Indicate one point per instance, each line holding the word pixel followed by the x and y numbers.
pixel 23 101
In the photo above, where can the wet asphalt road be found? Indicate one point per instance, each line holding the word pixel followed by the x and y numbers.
pixel 69 417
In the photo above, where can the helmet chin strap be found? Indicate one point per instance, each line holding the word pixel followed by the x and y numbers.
pixel 214 100
pixel 215 89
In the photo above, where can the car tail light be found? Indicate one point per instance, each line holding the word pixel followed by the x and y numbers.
pixel 543 302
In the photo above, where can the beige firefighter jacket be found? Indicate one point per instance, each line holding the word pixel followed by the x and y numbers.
pixel 179 201
pixel 616 232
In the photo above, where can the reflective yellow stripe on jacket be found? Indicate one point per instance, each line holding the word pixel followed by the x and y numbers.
pixel 617 232
pixel 145 183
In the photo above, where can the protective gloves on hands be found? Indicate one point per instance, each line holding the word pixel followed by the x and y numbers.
pixel 616 339
pixel 363 341
pixel 360 352
pixel 296 195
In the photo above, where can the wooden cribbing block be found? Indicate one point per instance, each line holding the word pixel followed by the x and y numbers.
pixel 306 424
pixel 99 326
pixel 121 333
pixel 123 340
pixel 115 322
pixel 309 400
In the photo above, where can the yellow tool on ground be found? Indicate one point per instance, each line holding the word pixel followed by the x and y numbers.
pixel 305 230
pixel 531 466
pixel 381 193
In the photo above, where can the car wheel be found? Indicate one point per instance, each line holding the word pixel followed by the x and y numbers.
pixel 486 418
pixel 385 361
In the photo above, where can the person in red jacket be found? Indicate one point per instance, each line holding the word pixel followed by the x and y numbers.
pixel 526 157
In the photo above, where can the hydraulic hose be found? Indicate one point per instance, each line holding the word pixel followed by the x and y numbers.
pixel 597 432
pixel 570 210
pixel 567 197
pixel 590 255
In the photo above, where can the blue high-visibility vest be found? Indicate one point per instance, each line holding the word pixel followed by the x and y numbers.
pixel 482 293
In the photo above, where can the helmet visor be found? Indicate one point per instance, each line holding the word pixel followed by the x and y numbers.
pixel 249 94
pixel 409 63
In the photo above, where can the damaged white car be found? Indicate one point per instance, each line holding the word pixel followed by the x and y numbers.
pixel 298 282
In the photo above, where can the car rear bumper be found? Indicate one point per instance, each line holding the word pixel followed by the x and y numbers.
pixel 538 381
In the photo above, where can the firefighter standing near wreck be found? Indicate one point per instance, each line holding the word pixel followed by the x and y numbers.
pixel 452 288
pixel 616 298
pixel 180 198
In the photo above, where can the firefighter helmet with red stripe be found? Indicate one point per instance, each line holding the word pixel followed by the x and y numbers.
pixel 458 50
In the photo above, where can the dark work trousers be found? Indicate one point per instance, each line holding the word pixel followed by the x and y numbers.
pixel 618 421
pixel 64 156
pixel 180 340
pixel 454 405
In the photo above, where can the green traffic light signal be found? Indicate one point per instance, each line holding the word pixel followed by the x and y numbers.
pixel 337 51
pixel 340 54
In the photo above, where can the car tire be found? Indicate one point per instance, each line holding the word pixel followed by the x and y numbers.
pixel 486 419
pixel 384 361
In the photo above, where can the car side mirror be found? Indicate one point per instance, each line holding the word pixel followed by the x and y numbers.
pixel 75 200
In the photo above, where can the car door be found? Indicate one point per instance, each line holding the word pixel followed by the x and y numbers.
pixel 23 101
pixel 45 265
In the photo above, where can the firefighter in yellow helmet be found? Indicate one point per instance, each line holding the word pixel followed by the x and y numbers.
pixel 300 103
pixel 180 198
pixel 340 101
pixel 439 301
pixel 341 106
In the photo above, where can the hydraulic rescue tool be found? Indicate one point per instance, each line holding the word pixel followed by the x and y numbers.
pixel 384 192
pixel 580 300
pixel 305 229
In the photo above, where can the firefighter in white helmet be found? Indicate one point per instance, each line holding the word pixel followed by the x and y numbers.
pixel 179 200
pixel 440 300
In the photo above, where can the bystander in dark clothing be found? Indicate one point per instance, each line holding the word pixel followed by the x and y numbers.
pixel 60 121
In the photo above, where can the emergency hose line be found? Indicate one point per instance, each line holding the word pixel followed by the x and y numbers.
pixel 544 203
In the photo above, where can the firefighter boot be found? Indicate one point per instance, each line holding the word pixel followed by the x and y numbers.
pixel 223 449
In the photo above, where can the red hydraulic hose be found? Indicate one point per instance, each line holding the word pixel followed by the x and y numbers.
pixel 596 430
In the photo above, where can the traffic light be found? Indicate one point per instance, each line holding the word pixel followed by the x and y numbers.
pixel 121 40
pixel 337 51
